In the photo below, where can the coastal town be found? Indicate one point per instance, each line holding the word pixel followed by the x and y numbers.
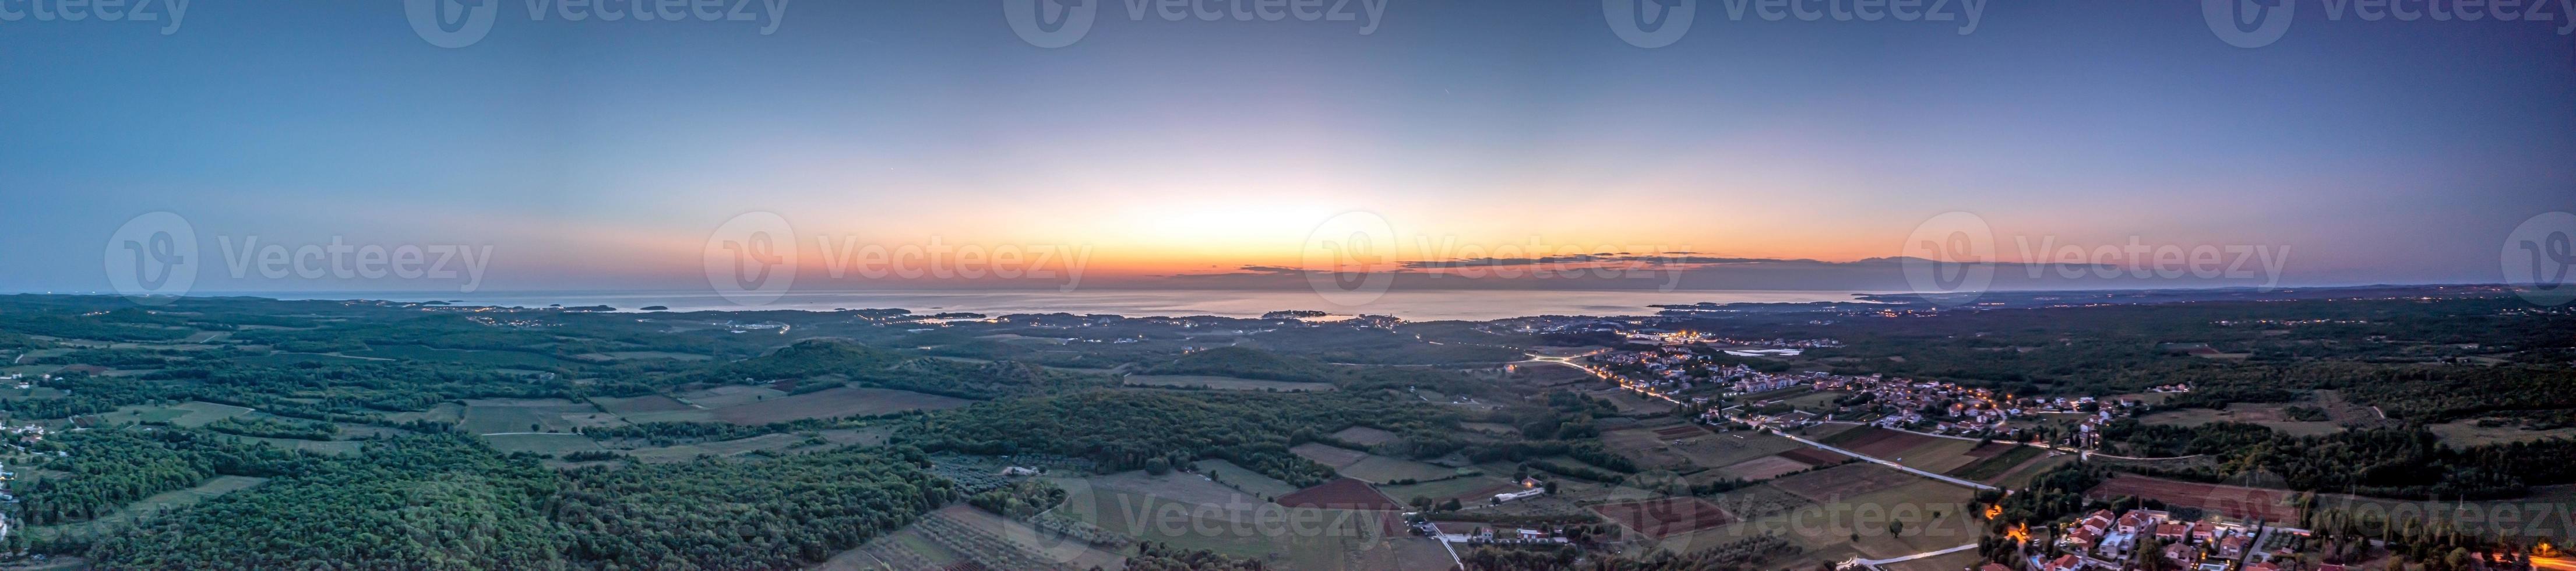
pixel 1720 377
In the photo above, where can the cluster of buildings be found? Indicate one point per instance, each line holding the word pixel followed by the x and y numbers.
pixel 2102 539
pixel 1955 409
pixel 1675 369
pixel 489 321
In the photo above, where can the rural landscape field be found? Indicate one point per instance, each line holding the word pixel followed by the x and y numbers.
pixel 1288 285
pixel 876 439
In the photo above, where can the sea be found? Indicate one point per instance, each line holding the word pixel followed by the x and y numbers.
pixel 1411 305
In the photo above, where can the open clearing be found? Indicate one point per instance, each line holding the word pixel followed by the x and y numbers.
pixel 1041 546
pixel 1995 465
pixel 1244 479
pixel 1224 383
pixel 834 403
pixel 729 395
pixel 1364 436
pixel 1329 455
pixel 1731 448
pixel 1877 442
pixel 189 414
pixel 1661 518
pixel 770 442
pixel 1469 490
pixel 1937 455
pixel 1648 448
pixel 646 403
pixel 552 444
pixel 1764 468
pixel 1846 481
pixel 521 415
pixel 2232 501
pixel 1190 512
pixel 2467 433
pixel 1934 516
pixel 149 506
pixel 2272 416
pixel 1383 469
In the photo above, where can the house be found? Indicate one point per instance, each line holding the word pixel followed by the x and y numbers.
pixel 1527 534
pixel 2233 547
pixel 2173 532
pixel 2099 522
pixel 2083 538
pixel 2067 562
pixel 2181 553
pixel 2135 520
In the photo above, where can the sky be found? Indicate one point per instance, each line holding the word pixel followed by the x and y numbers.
pixel 551 154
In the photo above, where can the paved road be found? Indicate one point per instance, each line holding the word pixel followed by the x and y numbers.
pixel 1883 462
pixel 1918 555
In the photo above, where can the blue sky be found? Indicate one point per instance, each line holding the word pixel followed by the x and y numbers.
pixel 599 155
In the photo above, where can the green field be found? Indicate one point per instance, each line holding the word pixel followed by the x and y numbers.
pixel 1224 383
pixel 1995 466
pixel 553 444
pixel 499 416
pixel 190 414
pixel 1190 512
pixel 1244 479
pixel 460 356
pixel 155 504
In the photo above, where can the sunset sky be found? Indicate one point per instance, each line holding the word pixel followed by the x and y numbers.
pixel 599 155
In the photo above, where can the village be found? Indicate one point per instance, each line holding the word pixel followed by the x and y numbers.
pixel 2106 541
pixel 1687 368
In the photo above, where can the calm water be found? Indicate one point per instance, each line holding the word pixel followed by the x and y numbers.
pixel 1426 305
